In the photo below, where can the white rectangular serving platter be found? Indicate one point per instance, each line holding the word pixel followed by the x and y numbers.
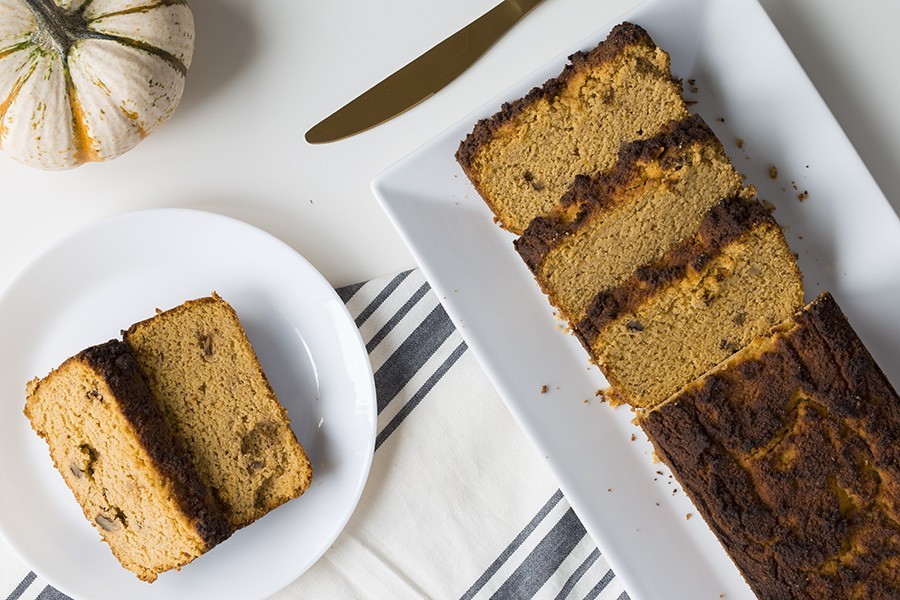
pixel 847 237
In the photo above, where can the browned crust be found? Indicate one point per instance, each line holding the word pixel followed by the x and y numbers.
pixel 813 393
pixel 726 222
pixel 589 195
pixel 623 35
pixel 600 190
pixel 542 235
pixel 115 363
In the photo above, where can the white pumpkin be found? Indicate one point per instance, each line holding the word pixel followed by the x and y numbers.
pixel 86 80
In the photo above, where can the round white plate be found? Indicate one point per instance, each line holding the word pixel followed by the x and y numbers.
pixel 103 278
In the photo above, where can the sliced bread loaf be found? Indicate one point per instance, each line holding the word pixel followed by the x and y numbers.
pixel 790 451
pixel 705 299
pixel 523 158
pixel 113 447
pixel 201 367
pixel 607 226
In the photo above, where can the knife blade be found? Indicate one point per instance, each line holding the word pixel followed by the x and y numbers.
pixel 423 77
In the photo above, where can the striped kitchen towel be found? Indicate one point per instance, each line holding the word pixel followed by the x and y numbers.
pixel 458 504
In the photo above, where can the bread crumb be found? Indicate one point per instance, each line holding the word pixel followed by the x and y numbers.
pixel 585 401
pixel 633 437
pixel 721 119
pixel 613 397
pixel 544 389
pixel 688 516
pixel 740 143
pixel 803 196
pixel 608 489
pixel 773 172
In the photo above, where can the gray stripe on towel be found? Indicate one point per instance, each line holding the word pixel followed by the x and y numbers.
pixel 49 593
pixel 347 292
pixel 23 585
pixel 412 353
pixel 398 316
pixel 601 585
pixel 383 295
pixel 513 546
pixel 544 560
pixel 576 576
pixel 420 394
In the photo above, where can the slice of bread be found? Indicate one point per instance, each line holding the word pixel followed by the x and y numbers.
pixel 523 158
pixel 201 367
pixel 607 226
pixel 704 300
pixel 116 452
pixel 790 449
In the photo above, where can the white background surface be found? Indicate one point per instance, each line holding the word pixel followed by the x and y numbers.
pixel 266 71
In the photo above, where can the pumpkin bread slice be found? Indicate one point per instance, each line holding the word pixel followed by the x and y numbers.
pixel 607 226
pixel 116 452
pixel 523 158
pixel 201 367
pixel 705 299
pixel 789 449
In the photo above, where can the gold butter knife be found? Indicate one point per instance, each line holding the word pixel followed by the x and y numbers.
pixel 423 77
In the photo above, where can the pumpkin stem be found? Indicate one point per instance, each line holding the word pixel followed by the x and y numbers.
pixel 62 27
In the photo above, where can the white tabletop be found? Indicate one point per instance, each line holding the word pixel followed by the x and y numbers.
pixel 264 72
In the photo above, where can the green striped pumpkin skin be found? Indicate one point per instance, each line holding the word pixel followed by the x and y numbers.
pixel 86 80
